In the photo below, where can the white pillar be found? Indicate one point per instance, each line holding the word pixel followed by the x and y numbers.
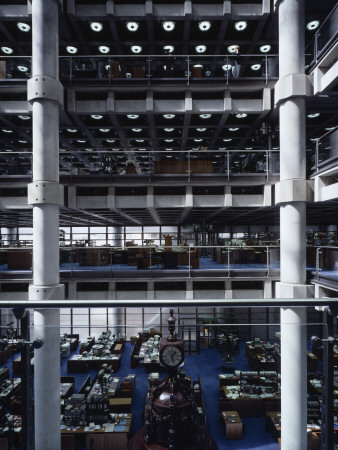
pixel 292 226
pixel 44 193
pixel 293 379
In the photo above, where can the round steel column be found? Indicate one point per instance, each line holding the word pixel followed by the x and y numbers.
pixel 292 229
pixel 45 44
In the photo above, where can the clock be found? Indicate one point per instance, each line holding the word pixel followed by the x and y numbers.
pixel 171 415
pixel 171 356
pixel 171 348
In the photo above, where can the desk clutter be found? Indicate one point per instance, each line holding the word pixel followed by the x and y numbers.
pixel 93 354
pixel 256 393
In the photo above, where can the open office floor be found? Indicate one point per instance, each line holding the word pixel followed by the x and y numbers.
pixel 208 365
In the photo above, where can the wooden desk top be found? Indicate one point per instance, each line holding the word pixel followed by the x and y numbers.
pixel 120 401
pixel 230 417
pixel 121 425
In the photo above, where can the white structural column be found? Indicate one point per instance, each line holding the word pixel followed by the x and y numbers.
pixel 45 194
pixel 292 196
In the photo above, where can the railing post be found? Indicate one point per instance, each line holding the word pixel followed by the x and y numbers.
pixel 267 166
pixel 228 164
pixel 71 69
pixel 315 50
pixel 228 257
pixel 188 70
pixel 268 260
pixel 317 261
pixel 189 170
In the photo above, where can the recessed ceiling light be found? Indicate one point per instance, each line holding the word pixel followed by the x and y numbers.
pixel 24 117
pixel 330 128
pixel 233 129
pixel 227 140
pixel 7 50
pixel 81 141
pixel 313 115
pixel 265 48
pixel 23 26
pixel 133 116
pixel 72 130
pixel 205 116
pixel 139 140
pixel 8 150
pixel 313 25
pixel 241 25
pixel 204 25
pixel 168 140
pixel 136 130
pixel 198 140
pixel 110 141
pixel 22 141
pixel 88 149
pixel 168 116
pixel 226 67
pixel 168 48
pixel 96 26
pixel 241 115
pixel 132 26
pixel 104 130
pixel 7 131
pixel 96 116
pixel 200 48
pixel 248 148
pixel 23 68
pixel 136 48
pixel 169 149
pixel 168 25
pixel 71 49
pixel 233 48
pixel 275 148
pixel 256 66
pixel 169 130
pixel 104 49
pixel 201 129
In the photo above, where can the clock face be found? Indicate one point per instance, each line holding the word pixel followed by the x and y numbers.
pixel 171 356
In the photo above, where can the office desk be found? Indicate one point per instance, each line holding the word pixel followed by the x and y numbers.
pixel 66 390
pixel 273 425
pixel 93 257
pixel 17 365
pixel 111 388
pixel 233 425
pixel 118 349
pixel 19 259
pixel 100 439
pixel 247 405
pixel 312 362
pixel 78 364
pixel 120 404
